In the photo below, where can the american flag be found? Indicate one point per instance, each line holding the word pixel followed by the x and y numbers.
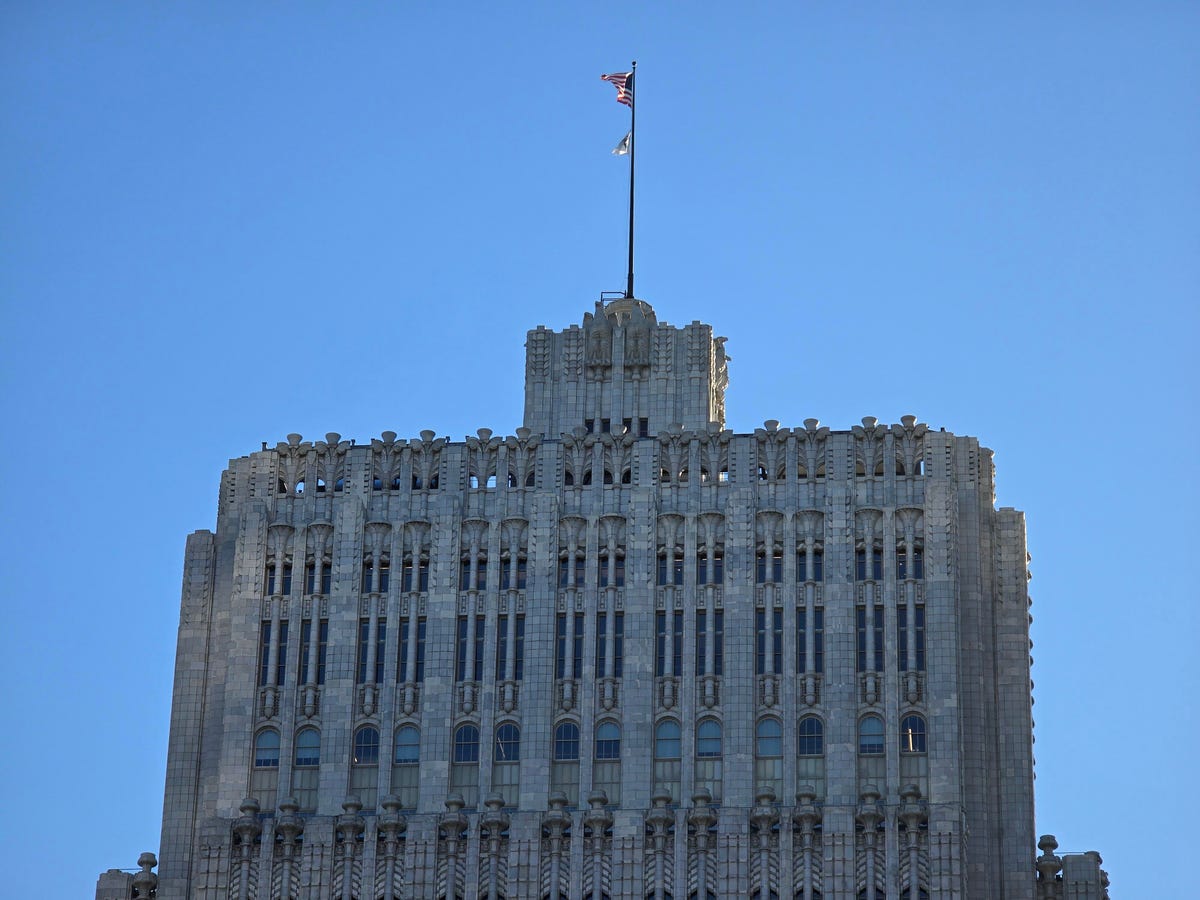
pixel 623 82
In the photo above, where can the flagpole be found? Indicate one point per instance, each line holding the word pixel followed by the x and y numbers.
pixel 632 152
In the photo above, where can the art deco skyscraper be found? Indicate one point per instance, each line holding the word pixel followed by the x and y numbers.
pixel 621 653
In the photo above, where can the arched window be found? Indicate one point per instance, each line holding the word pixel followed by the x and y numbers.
pixel 529 480
pixel 768 755
pixel 914 764
pixel 912 735
pixel 564 774
pixel 306 768
pixel 464 768
pixel 406 766
pixel 627 476
pixel 667 753
pixel 506 765
pixel 364 766
pixel 264 773
pixel 871 760
pixel 606 769
pixel 708 758
pixel 810 755
pixel 870 736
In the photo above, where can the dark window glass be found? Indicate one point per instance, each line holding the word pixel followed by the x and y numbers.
pixel 912 735
pixel 466 744
pixel 810 737
pixel 608 741
pixel 566 742
pixel 508 744
pixel 870 736
pixel 366 747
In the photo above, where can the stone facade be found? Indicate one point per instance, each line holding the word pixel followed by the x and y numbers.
pixel 621 653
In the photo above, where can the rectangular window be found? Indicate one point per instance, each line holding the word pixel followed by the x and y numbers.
pixel 605 426
pixel 380 645
pixel 310 578
pixel 287 578
pixel 903 570
pixel 264 653
pixel 643 427
pixel 768 570
pixel 464 575
pixel 877 635
pixel 502 629
pixel 705 666
pixel 406 648
pixel 506 575
pixel 306 649
pixel 468 667
pixel 417 580
pixel 917 664
pixel 384 577
pixel 576 645
pixel 671 664
pixel 768 627
pixel 717 573
pixel 270 578
pixel 805 572
pixel 602 645
pixel 364 638
pixel 281 653
pixel 818 662
pixel 368 576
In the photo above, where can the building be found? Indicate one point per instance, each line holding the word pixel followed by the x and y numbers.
pixel 621 653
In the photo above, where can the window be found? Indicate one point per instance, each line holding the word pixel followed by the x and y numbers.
pixel 768 567
pixel 914 764
pixel 768 755
pixel 870 736
pixel 570 569
pixel 606 769
pixel 312 581
pixel 611 572
pixel 411 665
pixel 414 581
pixel 810 755
pixel 568 649
pixel 668 647
pixel 507 580
pixel 903 570
pixel 805 572
pixel 264 653
pixel 814 661
pixel 708 758
pixel 860 565
pixel 264 774
pixel 503 625
pixel 707 664
pixel 564 771
pixel 912 735
pixel 710 572
pixel 368 576
pixel 306 648
pixel 915 663
pixel 670 566
pixel 370 669
pixel 406 766
pixel 768 645
pixel 667 753
pixel 468 664
pixel 603 670
pixel 464 768
pixel 872 659
pixel 473 578
pixel 506 769
pixel 364 766
pixel 306 769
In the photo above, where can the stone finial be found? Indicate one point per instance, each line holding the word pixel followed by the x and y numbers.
pixel 391 823
pixel 247 827
pixel 807 814
pixel 1048 864
pixel 597 818
pixel 145 882
pixel 350 824
pixel 289 825
pixel 556 820
pixel 765 814
pixel 869 815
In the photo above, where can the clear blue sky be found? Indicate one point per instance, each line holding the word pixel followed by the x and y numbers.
pixel 223 222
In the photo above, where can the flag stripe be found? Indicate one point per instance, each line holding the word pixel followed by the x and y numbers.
pixel 623 82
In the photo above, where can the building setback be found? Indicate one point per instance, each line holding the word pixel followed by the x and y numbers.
pixel 621 653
